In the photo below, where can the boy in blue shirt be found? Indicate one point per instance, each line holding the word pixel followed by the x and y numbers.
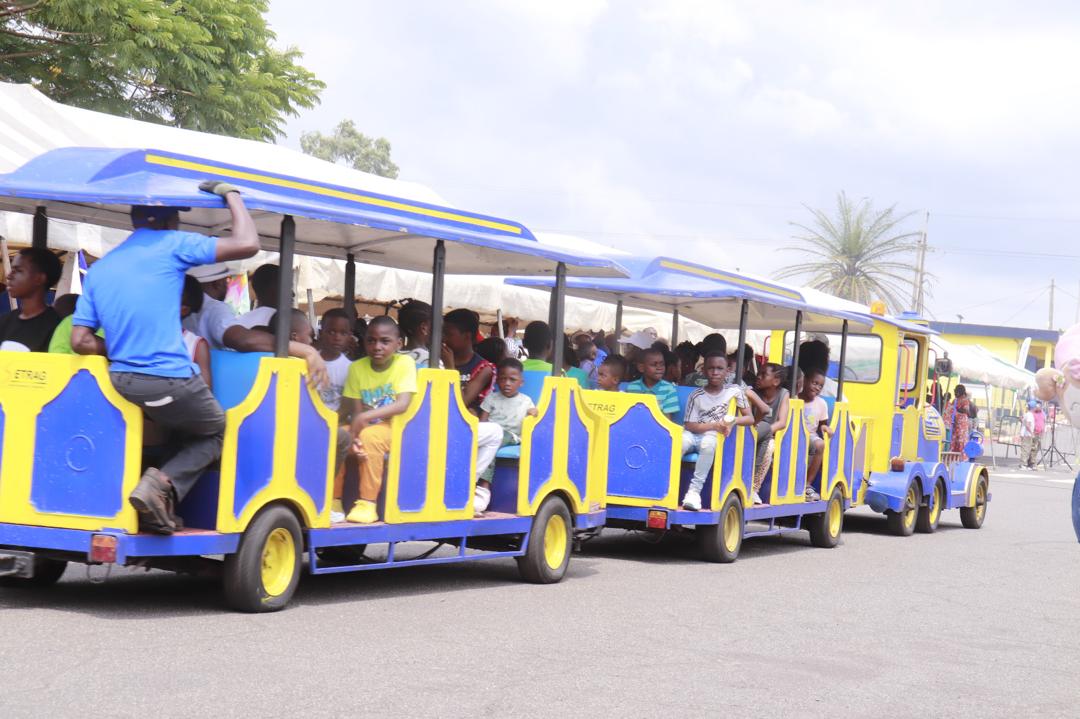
pixel 133 293
pixel 652 367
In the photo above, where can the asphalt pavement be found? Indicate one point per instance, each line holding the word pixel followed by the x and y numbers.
pixel 958 622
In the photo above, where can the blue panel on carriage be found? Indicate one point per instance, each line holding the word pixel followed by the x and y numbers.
pixel 413 472
pixel 542 451
pixel 577 460
pixel 199 508
pixel 233 374
pixel 255 442
pixel 639 455
pixel 510 451
pixel 504 488
pixel 785 460
pixel 312 441
pixel 532 384
pixel 457 489
pixel 79 452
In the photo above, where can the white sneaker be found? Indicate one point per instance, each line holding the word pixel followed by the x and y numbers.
pixel 692 500
pixel 756 499
pixel 481 499
pixel 336 517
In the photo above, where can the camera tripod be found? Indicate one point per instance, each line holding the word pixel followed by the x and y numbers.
pixel 1053 450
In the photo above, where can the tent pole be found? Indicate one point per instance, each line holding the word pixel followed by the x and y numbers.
pixel 795 354
pixel 40 237
pixel 674 328
pixel 349 295
pixel 558 296
pixel 12 302
pixel 740 360
pixel 843 359
pixel 618 325
pixel 283 318
pixel 990 424
pixel 438 274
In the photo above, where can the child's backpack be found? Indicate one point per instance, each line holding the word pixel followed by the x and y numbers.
pixel 1040 422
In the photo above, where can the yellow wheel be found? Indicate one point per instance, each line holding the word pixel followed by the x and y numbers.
pixel 263 573
pixel 930 513
pixel 550 540
pixel 556 542
pixel 902 523
pixel 825 528
pixel 721 542
pixel 278 561
pixel 972 517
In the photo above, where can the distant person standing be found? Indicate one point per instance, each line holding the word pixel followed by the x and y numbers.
pixel 1031 432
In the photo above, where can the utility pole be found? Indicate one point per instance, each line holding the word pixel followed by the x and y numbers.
pixel 918 297
pixel 1050 324
pixel 1076 319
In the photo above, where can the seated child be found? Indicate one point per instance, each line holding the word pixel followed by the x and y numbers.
pixel 477 374
pixel 507 408
pixel 652 367
pixel 586 355
pixel 673 373
pixel 334 333
pixel 816 419
pixel 380 385
pixel 706 415
pixel 769 399
pixel 610 373
pixel 191 300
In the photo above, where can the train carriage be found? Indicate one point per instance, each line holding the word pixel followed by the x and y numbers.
pixel 72 447
pixel 647 473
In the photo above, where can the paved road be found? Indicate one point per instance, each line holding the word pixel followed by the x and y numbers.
pixel 957 622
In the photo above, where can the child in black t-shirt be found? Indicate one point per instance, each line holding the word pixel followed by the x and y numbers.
pixel 29 329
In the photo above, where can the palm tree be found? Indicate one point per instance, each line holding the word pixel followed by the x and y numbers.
pixel 860 254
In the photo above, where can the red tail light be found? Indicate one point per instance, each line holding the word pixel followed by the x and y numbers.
pixel 103 549
pixel 657 519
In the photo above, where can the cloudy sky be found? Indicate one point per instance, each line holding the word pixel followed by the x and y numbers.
pixel 699 129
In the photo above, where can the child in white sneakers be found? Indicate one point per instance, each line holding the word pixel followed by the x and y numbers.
pixel 707 415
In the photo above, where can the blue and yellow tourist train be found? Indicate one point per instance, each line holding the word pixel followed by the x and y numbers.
pixel 71 449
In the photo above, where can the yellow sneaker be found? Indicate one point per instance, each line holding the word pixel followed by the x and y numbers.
pixel 363 512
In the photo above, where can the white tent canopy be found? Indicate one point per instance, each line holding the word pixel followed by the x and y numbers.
pixel 977 364
pixel 31 124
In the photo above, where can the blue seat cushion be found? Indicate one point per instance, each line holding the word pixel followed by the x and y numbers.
pixel 692 457
pixel 510 451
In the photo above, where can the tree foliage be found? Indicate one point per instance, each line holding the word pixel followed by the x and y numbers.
pixel 204 65
pixel 349 145
pixel 859 254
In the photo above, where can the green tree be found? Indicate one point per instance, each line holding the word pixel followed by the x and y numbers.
pixel 354 148
pixel 204 65
pixel 859 254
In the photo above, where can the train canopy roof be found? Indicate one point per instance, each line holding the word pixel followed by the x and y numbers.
pixel 99 185
pixel 707 295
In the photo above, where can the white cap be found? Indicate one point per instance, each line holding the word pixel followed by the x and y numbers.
pixel 642 340
pixel 209 273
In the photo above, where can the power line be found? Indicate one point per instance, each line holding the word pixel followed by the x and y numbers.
pixel 1029 304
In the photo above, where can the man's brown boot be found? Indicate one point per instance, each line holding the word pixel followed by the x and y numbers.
pixel 151 499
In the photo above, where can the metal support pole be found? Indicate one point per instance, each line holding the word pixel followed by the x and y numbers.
pixel 40 238
pixel 558 298
pixel 795 353
pixel 438 275
pixel 618 326
pixel 283 319
pixel 843 359
pixel 674 328
pixel 348 297
pixel 740 359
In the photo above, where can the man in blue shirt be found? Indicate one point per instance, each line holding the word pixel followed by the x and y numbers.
pixel 133 293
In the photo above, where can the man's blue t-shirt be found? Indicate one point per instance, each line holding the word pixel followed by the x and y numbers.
pixel 133 293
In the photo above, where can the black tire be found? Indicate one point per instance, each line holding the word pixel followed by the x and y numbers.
pixel 722 541
pixel 973 517
pixel 930 513
pixel 825 528
pixel 902 523
pixel 47 572
pixel 551 541
pixel 267 539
